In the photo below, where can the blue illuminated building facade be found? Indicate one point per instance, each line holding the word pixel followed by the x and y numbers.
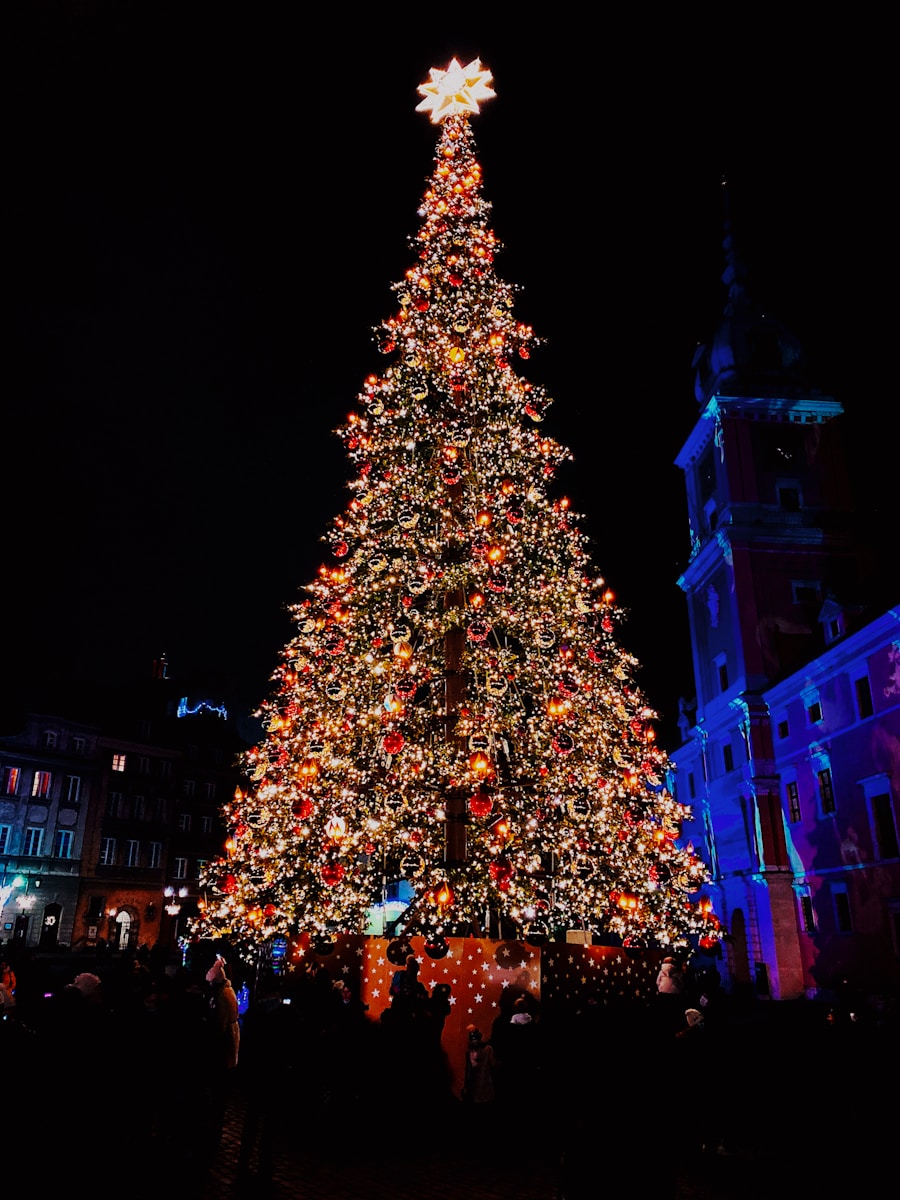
pixel 790 754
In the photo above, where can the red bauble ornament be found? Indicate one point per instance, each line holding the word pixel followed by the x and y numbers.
pixel 229 885
pixel 480 803
pixel 332 873
pixel 392 743
pixel 501 872
pixel 302 807
pixel 269 910
pixel 339 549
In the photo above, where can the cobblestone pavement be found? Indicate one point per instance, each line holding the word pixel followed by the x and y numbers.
pixel 386 1168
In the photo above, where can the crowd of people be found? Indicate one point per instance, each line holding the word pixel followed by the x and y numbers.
pixel 158 1055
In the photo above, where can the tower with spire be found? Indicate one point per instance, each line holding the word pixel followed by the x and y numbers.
pixel 789 760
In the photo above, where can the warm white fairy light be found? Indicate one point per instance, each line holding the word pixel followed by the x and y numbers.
pixel 454 708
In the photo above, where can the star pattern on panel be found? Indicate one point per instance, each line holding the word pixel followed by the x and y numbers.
pixel 455 90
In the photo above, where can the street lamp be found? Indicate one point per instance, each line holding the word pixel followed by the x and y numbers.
pixel 173 899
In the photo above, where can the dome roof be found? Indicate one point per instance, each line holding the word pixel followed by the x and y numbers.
pixel 751 353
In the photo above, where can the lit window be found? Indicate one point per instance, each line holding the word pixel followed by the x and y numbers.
pixel 118 762
pixel 9 780
pixel 826 791
pixel 793 799
pixel 41 784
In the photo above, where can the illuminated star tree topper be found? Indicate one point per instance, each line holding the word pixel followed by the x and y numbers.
pixel 455 90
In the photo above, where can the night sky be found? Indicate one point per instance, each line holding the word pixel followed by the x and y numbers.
pixel 209 203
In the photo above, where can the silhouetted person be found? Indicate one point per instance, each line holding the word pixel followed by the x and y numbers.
pixel 270 1047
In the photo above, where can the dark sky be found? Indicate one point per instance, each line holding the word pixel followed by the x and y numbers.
pixel 209 204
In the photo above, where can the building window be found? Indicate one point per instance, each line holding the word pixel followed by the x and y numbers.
pixel 41 784
pixel 95 907
pixel 34 841
pixel 165 768
pixel 145 728
pixel 885 826
pixel 692 785
pixel 826 791
pixel 807 913
pixel 9 780
pixel 200 868
pixel 806 591
pixel 71 789
pixel 139 808
pixel 50 739
pixel 181 865
pixel 107 852
pixel 784 729
pixel 842 918
pixel 789 497
pixel 162 809
pixel 155 854
pixel 206 824
pixel 188 787
pixel 118 762
pixel 814 712
pixel 62 844
pixel 132 853
pixel 143 765
pixel 722 672
pixel 728 756
pixel 79 745
pixel 184 822
pixel 864 705
pixel 209 790
pixel 5 831
pixel 793 800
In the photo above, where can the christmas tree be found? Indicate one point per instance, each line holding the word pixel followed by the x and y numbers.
pixel 454 718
